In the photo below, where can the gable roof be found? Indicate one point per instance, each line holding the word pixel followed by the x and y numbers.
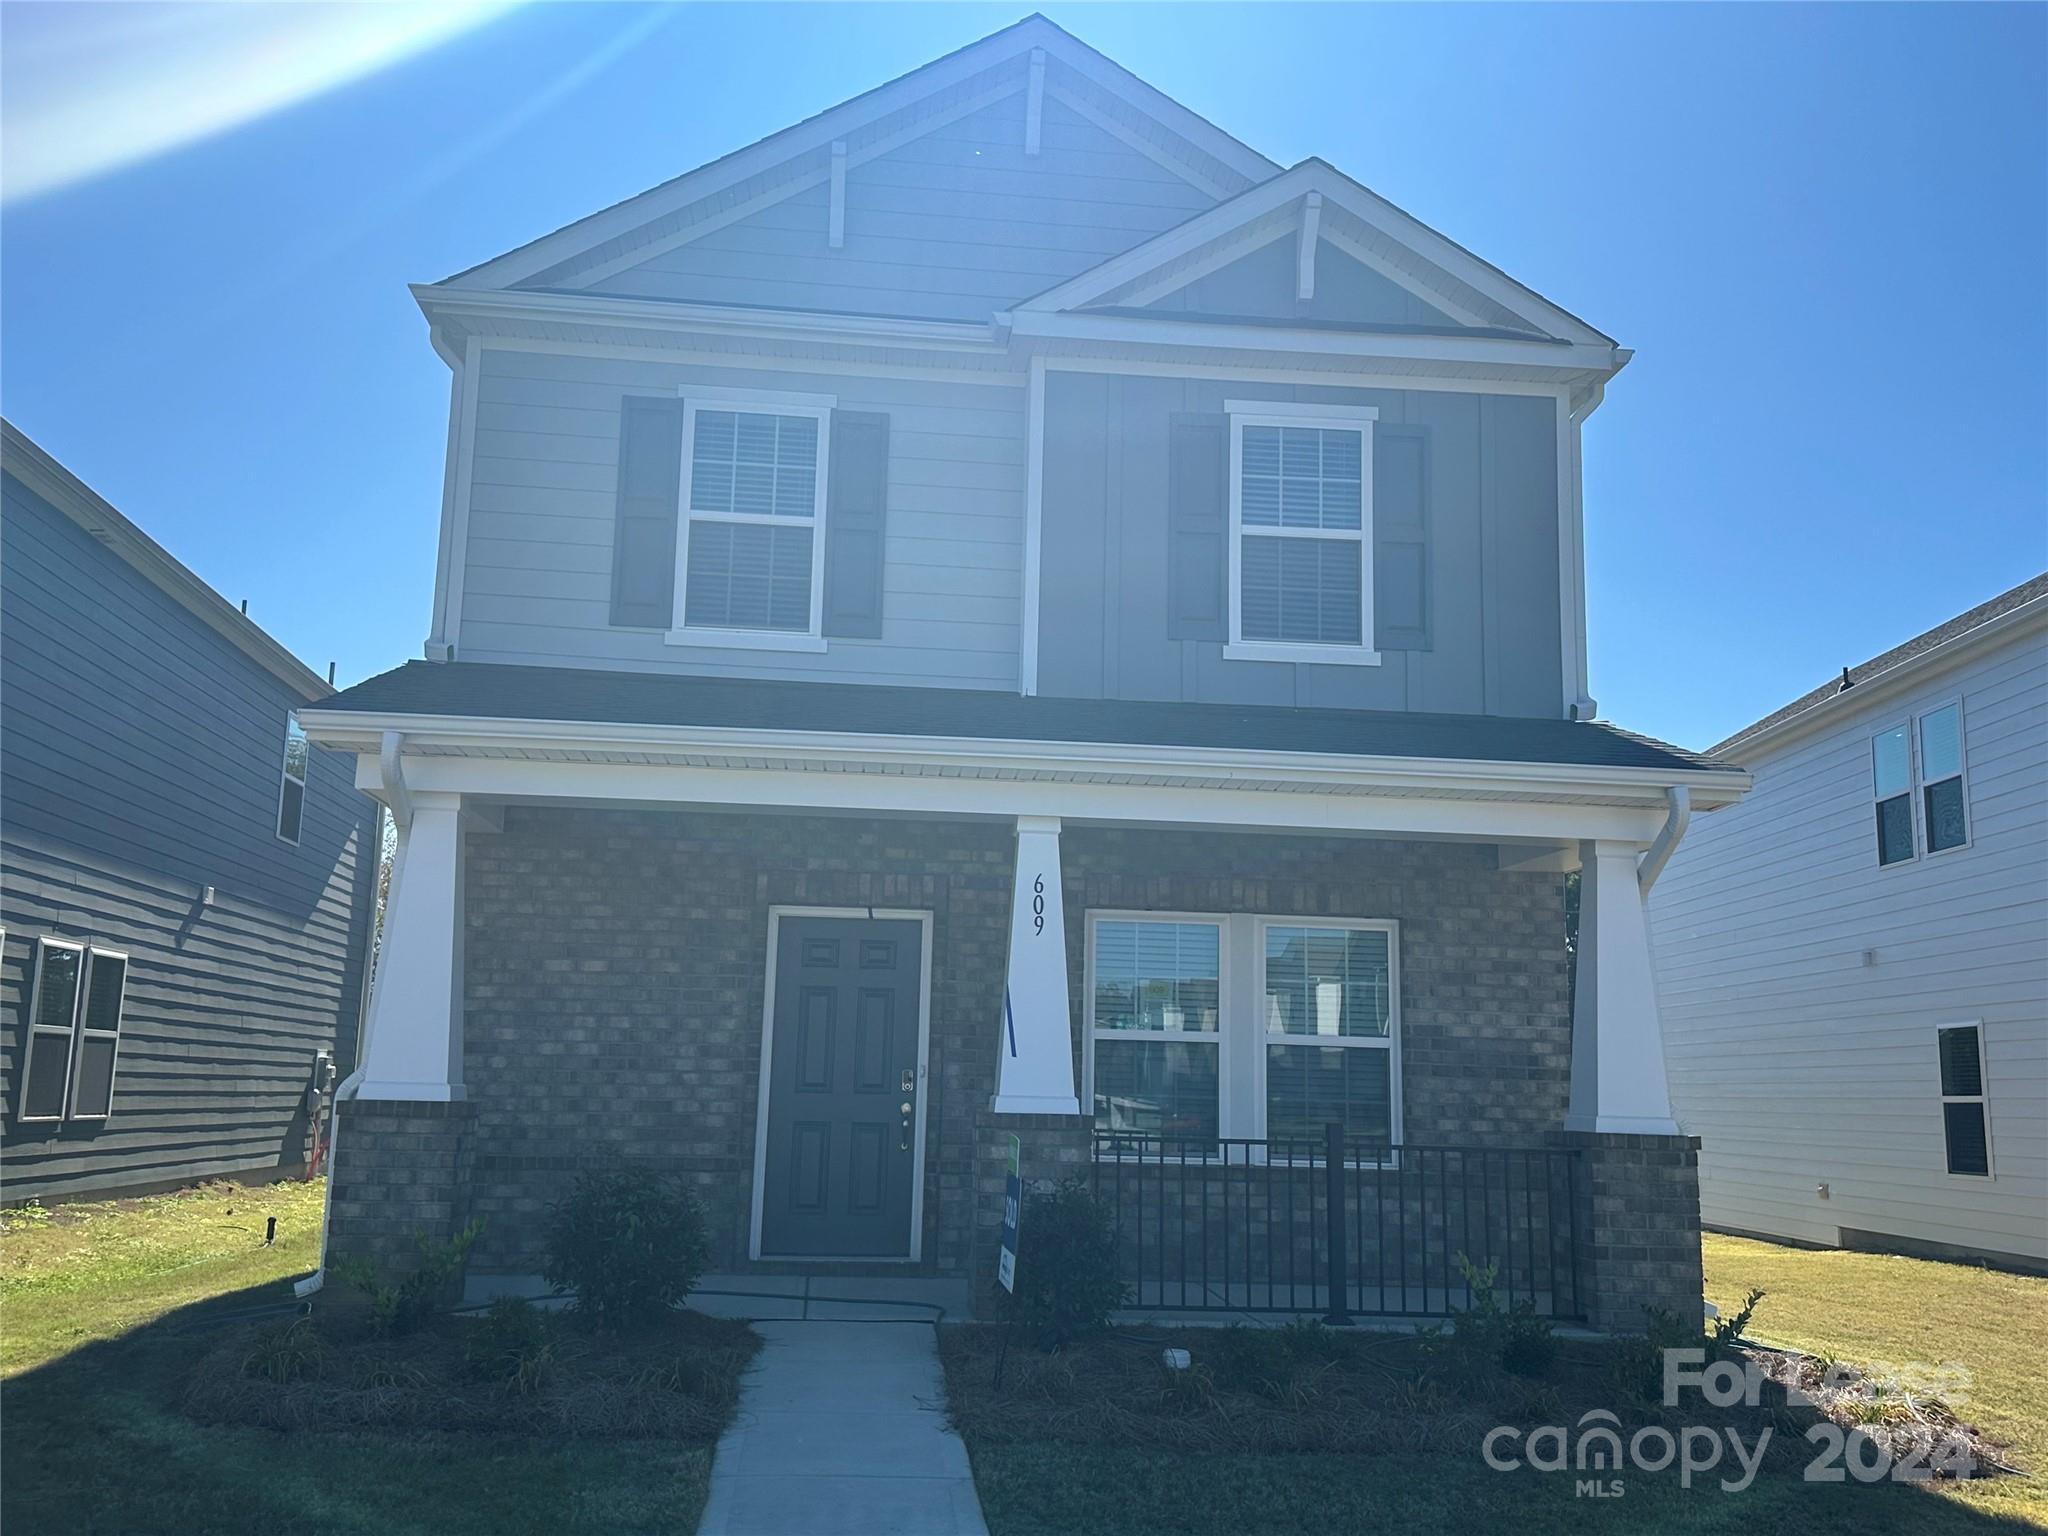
pixel 2028 599
pixel 1353 218
pixel 912 104
pixel 25 461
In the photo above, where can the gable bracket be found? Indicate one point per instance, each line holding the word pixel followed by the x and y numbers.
pixel 836 219
pixel 1305 253
pixel 1034 102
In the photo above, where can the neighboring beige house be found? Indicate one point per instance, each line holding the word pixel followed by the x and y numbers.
pixel 1854 962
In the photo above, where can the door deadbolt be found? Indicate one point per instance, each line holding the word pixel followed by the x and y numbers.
pixel 909 1079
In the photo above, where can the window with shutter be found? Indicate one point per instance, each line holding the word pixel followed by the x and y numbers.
pixel 1301 533
pixel 74 1032
pixel 754 523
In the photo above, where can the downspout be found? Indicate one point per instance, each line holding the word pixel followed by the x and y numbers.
pixel 1666 842
pixel 1582 406
pixel 399 800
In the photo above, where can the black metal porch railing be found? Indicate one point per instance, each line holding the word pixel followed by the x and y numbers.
pixel 1340 1226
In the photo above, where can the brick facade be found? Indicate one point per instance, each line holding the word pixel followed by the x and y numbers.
pixel 616 965
pixel 401 1171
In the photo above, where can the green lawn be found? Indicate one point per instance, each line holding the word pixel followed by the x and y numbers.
pixel 1864 1307
pixel 104 1308
pixel 1852 1307
pixel 78 1273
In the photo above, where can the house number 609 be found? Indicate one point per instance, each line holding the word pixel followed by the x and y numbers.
pixel 1038 905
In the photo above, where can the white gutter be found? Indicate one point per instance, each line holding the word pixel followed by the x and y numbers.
pixel 1666 842
pixel 400 800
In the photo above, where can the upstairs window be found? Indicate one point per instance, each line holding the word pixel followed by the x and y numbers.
pixel 74 1032
pixel 1300 532
pixel 1963 1111
pixel 291 788
pixel 1924 753
pixel 754 533
pixel 1941 778
pixel 1891 773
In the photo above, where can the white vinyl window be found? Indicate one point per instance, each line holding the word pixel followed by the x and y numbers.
pixel 1943 800
pixel 1923 753
pixel 1208 1027
pixel 750 564
pixel 1965 1115
pixel 291 785
pixel 1301 532
pixel 74 1034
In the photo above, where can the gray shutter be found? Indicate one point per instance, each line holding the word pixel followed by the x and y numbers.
pixel 1197 527
pixel 650 502
pixel 856 519
pixel 1400 539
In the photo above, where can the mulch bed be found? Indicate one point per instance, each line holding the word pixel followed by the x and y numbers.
pixel 1314 1389
pixel 678 1379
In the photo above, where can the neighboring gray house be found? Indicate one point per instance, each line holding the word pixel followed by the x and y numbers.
pixel 1855 963
pixel 998 609
pixel 186 886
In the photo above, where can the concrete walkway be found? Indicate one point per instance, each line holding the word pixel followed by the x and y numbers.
pixel 842 1431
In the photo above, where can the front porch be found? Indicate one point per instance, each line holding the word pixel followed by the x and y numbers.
pixel 720 964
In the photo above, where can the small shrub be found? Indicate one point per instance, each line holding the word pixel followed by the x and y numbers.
pixel 627 1244
pixel 1067 1282
pixel 292 1352
pixel 1485 1337
pixel 1638 1367
pixel 512 1346
pixel 1727 1331
pixel 400 1308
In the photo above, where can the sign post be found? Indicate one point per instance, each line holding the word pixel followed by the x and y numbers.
pixel 1006 1261
pixel 1013 1209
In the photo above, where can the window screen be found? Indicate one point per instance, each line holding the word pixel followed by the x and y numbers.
pixel 1963 1110
pixel 1891 771
pixel 52 1016
pixel 1941 778
pixel 291 792
pixel 753 534
pixel 99 1035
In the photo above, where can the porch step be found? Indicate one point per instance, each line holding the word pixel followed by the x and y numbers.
pixel 786 1298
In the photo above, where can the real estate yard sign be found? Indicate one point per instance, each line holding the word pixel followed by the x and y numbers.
pixel 1013 1201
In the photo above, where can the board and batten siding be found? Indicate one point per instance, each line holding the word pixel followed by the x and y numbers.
pixel 1801 985
pixel 140 752
pixel 954 225
pixel 537 563
pixel 1492 517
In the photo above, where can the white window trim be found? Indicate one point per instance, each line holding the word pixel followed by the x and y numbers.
pixel 1921 784
pixel 44 944
pixel 1289 413
pixel 1982 1098
pixel 81 1033
pixel 1911 727
pixel 1390 1043
pixel 1241 1037
pixel 284 777
pixel 754 402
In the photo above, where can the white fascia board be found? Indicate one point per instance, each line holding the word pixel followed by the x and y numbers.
pixel 440 302
pixel 830 751
pixel 26 461
pixel 1563 357
pixel 842 120
pixel 1912 672
pixel 1149 803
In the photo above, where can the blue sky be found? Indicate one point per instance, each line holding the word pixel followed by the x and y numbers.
pixel 1824 229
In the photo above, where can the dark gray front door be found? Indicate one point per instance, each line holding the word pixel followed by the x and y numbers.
pixel 842 1088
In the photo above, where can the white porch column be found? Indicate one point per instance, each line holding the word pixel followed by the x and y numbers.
pixel 413 1043
pixel 1618 1081
pixel 1036 1075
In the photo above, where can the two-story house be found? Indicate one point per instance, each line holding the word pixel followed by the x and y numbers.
pixel 1855 962
pixel 187 888
pixel 999 609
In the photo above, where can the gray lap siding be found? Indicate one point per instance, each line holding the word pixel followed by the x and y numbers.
pixel 616 965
